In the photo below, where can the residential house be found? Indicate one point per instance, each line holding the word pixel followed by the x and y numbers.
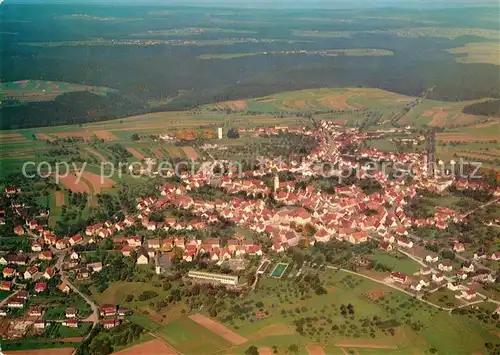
pixel 399 277
pixel 432 258
pixel 458 247
pixel 154 244
pixel 70 312
pixel 35 312
pixel 468 267
pixel 39 324
pixel 142 257
pixel 76 239
pixel 63 287
pixel 5 285
pixel 70 323
pixel 467 295
pixel 495 256
pixel 9 273
pixel 15 302
pixel 95 267
pixel 40 287
pixel 110 323
pixel 405 242
pixel 445 266
pixel 30 272
pixel 45 255
pixel 49 273
pixel 386 246
pixel 36 246
pixel 107 310
pixel 439 277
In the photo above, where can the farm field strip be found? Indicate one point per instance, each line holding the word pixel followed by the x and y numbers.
pixel 190 153
pixel 153 347
pixel 219 329
pixel 105 135
pixel 96 154
pixel 70 182
pixel 135 153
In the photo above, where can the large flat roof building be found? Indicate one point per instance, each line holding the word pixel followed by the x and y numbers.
pixel 213 277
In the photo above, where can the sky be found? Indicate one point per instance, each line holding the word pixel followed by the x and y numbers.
pixel 283 3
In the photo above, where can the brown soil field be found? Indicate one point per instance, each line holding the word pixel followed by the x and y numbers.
pixel 191 134
pixel 135 153
pixel 190 153
pixel 71 339
pixel 337 102
pixel 45 137
pixel 237 105
pixel 376 294
pixel 365 344
pixel 54 351
pixel 70 182
pixel 105 135
pixel 59 198
pixel 265 351
pixel 315 350
pixel 153 347
pixel 428 113
pixel 219 329
pixel 463 137
pixel 158 153
pixel 95 181
pixel 8 136
pixel 272 330
pixel 439 118
pixel 86 136
pixel 96 154
pixel 269 99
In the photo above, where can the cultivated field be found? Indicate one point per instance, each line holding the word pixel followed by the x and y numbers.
pixel 52 351
pixel 219 329
pixel 153 347
pixel 96 154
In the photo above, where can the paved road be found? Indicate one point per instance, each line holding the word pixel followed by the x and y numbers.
pixel 94 318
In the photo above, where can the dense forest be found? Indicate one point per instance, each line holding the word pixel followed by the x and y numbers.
pixel 175 78
pixel 487 108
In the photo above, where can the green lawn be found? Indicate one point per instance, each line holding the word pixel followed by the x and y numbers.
pixel 143 321
pixel 397 261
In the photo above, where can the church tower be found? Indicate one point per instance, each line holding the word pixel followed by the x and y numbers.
pixel 276 182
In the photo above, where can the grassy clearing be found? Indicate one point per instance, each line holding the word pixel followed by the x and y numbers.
pixel 396 261
pixel 477 53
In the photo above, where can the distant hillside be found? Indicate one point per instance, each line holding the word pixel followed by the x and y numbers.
pixel 69 108
pixel 486 108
